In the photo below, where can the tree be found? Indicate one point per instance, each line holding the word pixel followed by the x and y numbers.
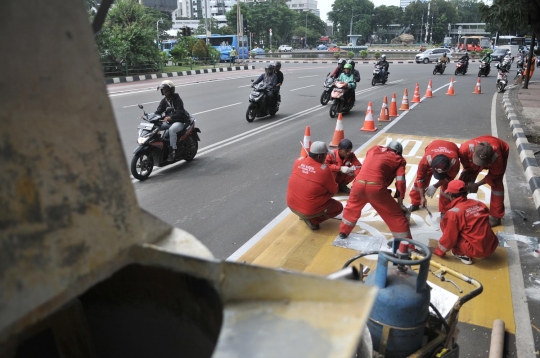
pixel 200 50
pixel 467 10
pixel 212 26
pixel 344 10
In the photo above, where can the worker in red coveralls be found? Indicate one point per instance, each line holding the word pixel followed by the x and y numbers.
pixel 311 187
pixel 466 229
pixel 486 152
pixel 381 166
pixel 343 164
pixel 440 160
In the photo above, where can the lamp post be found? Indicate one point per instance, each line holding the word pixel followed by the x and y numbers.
pixel 305 38
pixel 157 30
pixel 352 16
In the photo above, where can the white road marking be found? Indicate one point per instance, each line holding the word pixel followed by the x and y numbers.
pixel 135 105
pixel 309 76
pixel 296 89
pixel 210 110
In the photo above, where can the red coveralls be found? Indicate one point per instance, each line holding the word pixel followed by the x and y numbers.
pixel 496 169
pixel 310 191
pixel 334 162
pixel 425 172
pixel 466 229
pixel 380 168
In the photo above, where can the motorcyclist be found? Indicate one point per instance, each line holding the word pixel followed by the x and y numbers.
pixel 384 65
pixel 176 121
pixel 443 60
pixel 279 80
pixel 465 60
pixel 348 77
pixel 339 69
pixel 269 79
pixel 487 59
pixel 356 75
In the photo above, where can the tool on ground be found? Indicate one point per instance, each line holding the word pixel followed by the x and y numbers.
pixel 521 213
pixel 444 279
pixel 429 212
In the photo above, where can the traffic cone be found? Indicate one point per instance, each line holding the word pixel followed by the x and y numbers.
pixel 478 88
pixel 306 144
pixel 369 124
pixel 384 117
pixel 393 106
pixel 339 134
pixel 416 96
pixel 450 91
pixel 405 101
pixel 429 94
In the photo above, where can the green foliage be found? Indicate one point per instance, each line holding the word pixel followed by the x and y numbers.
pixel 214 54
pixel 336 55
pixel 360 10
pixel 350 54
pixel 377 54
pixel 512 15
pixel 200 50
pixel 473 54
pixel 485 52
pixel 179 53
pixel 363 54
pixel 212 26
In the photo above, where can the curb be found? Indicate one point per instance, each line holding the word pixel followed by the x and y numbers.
pixel 528 160
pixel 175 74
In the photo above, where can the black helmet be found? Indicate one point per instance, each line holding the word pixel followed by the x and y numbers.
pixel 444 54
pixel 166 84
pixel 269 68
pixel 341 62
pixel 278 65
pixel 351 62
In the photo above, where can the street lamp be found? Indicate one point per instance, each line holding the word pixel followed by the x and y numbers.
pixel 305 38
pixel 352 16
pixel 157 30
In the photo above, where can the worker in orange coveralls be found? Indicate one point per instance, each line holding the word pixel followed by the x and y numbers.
pixel 441 160
pixel 491 153
pixel 311 187
pixel 344 164
pixel 381 166
pixel 466 229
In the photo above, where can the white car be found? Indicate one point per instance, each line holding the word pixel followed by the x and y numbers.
pixel 285 48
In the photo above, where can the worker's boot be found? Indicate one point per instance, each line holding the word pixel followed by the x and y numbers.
pixel 493 221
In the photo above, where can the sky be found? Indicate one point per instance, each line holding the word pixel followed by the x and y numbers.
pixel 326 5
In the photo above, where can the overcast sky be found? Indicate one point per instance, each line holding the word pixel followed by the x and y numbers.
pixel 326 5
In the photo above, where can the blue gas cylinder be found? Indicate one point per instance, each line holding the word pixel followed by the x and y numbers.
pixel 401 309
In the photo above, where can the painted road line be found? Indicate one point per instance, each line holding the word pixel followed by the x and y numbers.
pixel 296 89
pixel 215 109
pixel 309 76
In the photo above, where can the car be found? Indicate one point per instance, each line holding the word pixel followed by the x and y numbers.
pixel 258 51
pixel 432 55
pixel 322 47
pixel 285 48
pixel 498 55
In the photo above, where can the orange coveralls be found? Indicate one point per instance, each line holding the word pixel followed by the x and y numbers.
pixel 335 163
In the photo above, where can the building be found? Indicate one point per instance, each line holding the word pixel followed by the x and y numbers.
pixel 304 5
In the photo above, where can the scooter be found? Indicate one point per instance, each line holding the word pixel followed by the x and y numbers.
pixel 327 92
pixel 257 103
pixel 502 78
pixel 461 67
pixel 338 104
pixel 484 70
pixel 377 77
pixel 439 68
pixel 153 149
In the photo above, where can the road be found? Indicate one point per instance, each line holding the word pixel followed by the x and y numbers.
pixel 237 182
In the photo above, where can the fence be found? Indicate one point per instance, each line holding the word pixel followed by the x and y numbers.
pixel 114 69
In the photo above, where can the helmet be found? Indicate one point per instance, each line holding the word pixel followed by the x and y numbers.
pixel 278 65
pixel 341 62
pixel 269 68
pixel 444 54
pixel 347 66
pixel 395 146
pixel 383 57
pixel 351 62
pixel 166 84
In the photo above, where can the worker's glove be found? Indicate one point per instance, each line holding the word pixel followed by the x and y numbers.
pixel 344 169
pixel 439 252
pixel 351 171
pixel 430 191
pixel 472 188
pixel 397 194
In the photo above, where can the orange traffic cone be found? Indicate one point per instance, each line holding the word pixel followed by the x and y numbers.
pixel 478 88
pixel 393 106
pixel 416 96
pixel 451 88
pixel 384 117
pixel 429 93
pixel 339 134
pixel 405 101
pixel 369 124
pixel 306 144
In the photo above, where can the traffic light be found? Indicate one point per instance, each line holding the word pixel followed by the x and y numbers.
pixel 183 31
pixel 246 28
pixel 188 31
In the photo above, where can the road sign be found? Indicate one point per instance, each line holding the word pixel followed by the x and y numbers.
pixel 270 32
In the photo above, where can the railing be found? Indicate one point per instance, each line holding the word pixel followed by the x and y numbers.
pixel 113 69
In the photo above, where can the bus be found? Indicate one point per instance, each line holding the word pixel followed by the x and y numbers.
pixel 512 43
pixel 167 45
pixel 224 44
pixel 473 43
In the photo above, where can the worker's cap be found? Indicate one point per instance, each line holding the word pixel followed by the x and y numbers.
pixel 318 148
pixel 345 144
pixel 440 166
pixel 482 154
pixel 456 187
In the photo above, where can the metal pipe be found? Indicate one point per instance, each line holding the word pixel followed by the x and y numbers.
pixel 496 347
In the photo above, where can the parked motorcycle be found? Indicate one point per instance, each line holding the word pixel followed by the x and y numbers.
pixel 502 78
pixel 258 106
pixel 484 70
pixel 153 141
pixel 439 68
pixel 338 104
pixel 377 75
pixel 461 67
pixel 327 92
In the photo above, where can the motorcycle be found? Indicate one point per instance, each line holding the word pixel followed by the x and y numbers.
pixel 485 68
pixel 338 104
pixel 461 67
pixel 377 76
pixel 502 78
pixel 257 103
pixel 439 68
pixel 153 149
pixel 507 63
pixel 327 92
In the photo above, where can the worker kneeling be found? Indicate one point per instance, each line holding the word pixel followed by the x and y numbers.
pixel 311 187
pixel 343 164
pixel 466 230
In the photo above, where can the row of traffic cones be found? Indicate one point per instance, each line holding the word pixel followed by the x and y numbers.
pixel 386 114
